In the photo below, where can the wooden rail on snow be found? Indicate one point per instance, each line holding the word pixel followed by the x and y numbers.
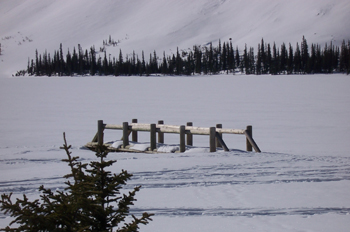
pixel 186 135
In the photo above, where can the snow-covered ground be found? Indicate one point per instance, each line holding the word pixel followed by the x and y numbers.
pixel 300 182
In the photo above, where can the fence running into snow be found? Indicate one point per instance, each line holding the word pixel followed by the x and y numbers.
pixel 186 135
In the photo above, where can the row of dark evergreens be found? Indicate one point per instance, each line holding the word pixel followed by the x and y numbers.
pixel 200 60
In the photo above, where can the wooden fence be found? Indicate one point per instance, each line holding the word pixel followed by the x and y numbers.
pixel 186 135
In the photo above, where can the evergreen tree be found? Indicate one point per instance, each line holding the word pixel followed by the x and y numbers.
pixel 150 65
pixel 69 64
pixel 327 59
pixel 31 68
pixel 49 65
pixel 223 59
pixel 198 59
pixel 290 65
pixel 274 64
pixel 37 73
pixel 154 63
pixel 268 59
pixel 127 66
pixel 312 60
pixel 219 56
pixel 93 64
pixel 283 58
pixel 138 65
pixel 319 60
pixel 75 65
pixel 179 64
pixel 205 61
pixel 87 62
pixel 40 66
pixel 211 59
pixel 216 59
pixel 258 62
pixel 246 60
pixel 99 66
pixel 143 64
pixel 133 64
pixel 164 66
pixel 238 59
pixel 251 61
pixel 61 62
pixel 105 64
pixel 336 57
pixel 263 58
pixel 304 56
pixel 344 57
pixel 81 60
pixel 172 65
pixel 189 64
pixel 121 63
pixel 44 63
pixel 297 60
pixel 115 67
pixel 92 201
pixel 231 58
pixel 348 67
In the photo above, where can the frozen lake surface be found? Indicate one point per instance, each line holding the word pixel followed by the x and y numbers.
pixel 299 182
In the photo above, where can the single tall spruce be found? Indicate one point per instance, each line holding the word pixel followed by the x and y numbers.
pixel 263 56
pixel 259 61
pixel 290 60
pixel 92 201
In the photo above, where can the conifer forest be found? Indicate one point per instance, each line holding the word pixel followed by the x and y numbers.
pixel 224 58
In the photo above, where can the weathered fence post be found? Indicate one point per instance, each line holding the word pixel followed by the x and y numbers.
pixel 212 136
pixel 182 139
pixel 189 136
pixel 125 134
pixel 221 141
pixel 249 136
pixel 134 133
pixel 250 133
pixel 153 137
pixel 218 144
pixel 160 134
pixel 100 128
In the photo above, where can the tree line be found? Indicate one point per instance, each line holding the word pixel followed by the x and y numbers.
pixel 224 58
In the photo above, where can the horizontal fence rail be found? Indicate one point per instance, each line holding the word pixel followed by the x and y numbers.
pixel 173 129
pixel 185 132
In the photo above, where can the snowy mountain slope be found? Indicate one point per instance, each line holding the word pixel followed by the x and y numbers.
pixel 162 25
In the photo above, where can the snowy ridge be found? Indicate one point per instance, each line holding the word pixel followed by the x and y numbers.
pixel 154 25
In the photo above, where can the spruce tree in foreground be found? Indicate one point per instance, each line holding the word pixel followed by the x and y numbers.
pixel 91 201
